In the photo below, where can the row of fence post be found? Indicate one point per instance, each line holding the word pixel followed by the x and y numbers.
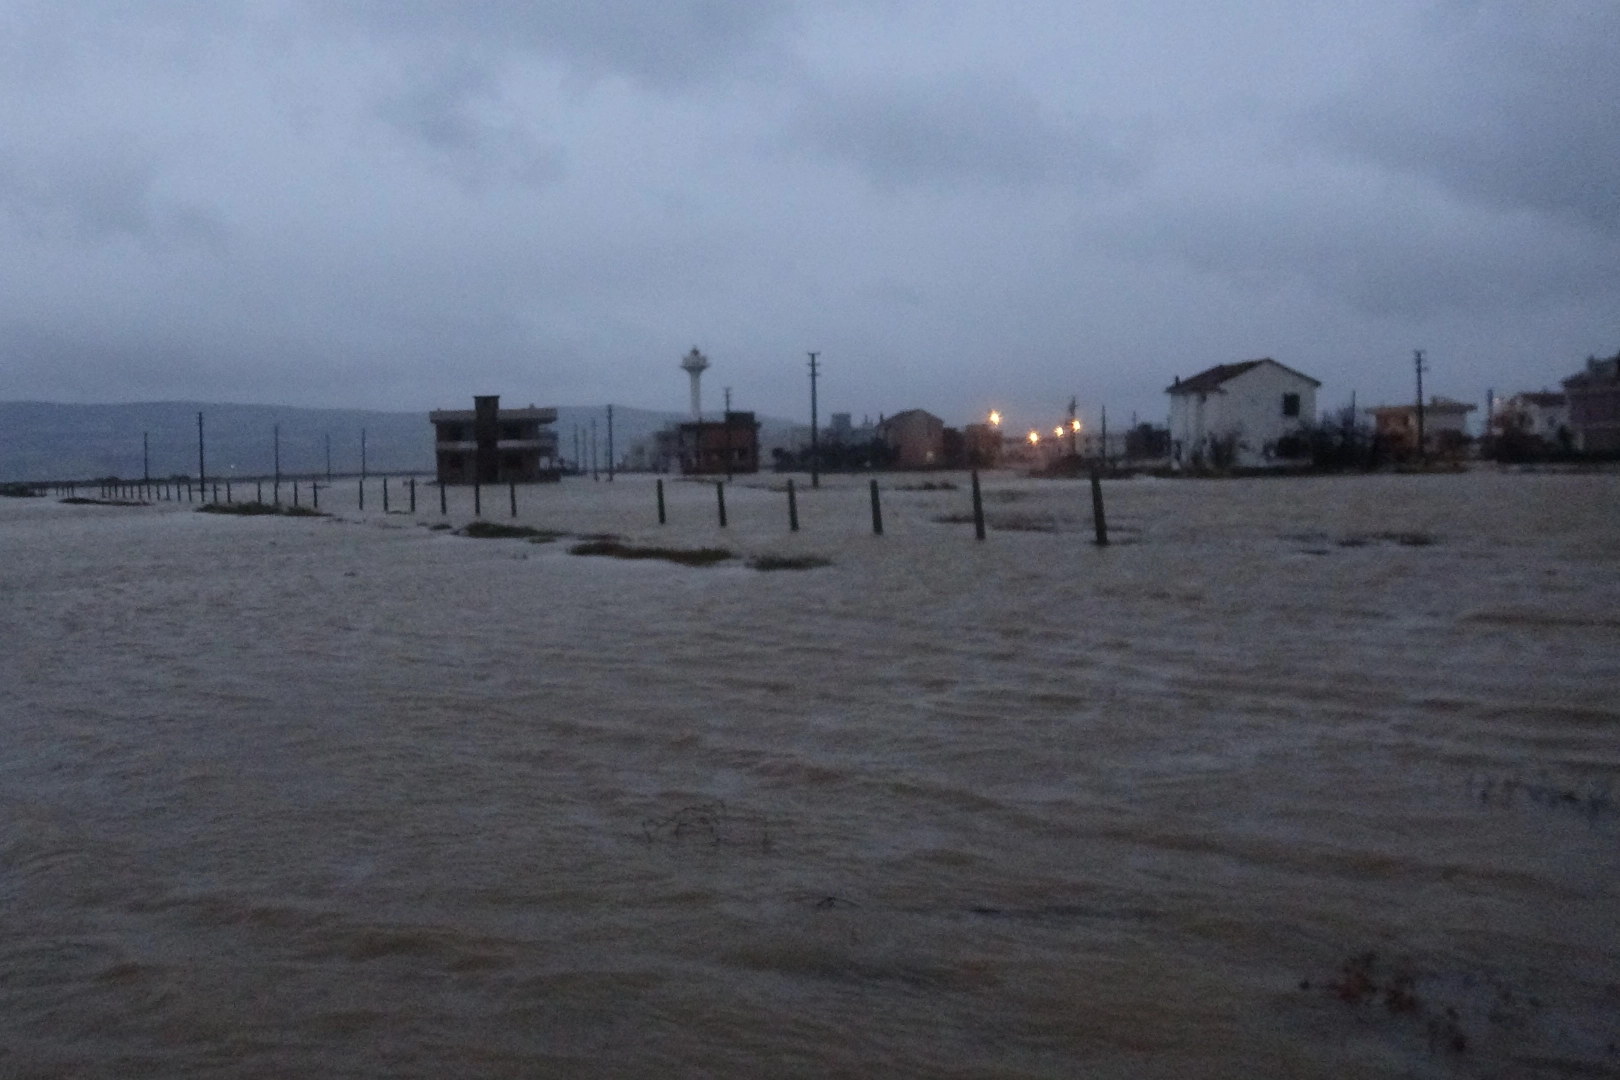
pixel 170 490
pixel 1099 523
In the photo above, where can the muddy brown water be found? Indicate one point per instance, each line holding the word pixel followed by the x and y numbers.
pixel 1261 790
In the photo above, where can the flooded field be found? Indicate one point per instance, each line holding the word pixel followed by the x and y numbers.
pixel 1306 778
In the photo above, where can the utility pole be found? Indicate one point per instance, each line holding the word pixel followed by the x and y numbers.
pixel 202 468
pixel 726 417
pixel 1417 363
pixel 610 444
pixel 328 457
pixel 815 438
pixel 362 454
pixel 146 460
pixel 1103 436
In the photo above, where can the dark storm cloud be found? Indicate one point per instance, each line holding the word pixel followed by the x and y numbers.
pixel 1465 170
pixel 961 128
pixel 449 111
pixel 390 203
pixel 662 43
pixel 1511 105
pixel 97 191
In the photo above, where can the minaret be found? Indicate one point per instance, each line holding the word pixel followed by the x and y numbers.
pixel 694 364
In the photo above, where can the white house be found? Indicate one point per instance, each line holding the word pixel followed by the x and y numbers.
pixel 1543 416
pixel 1236 414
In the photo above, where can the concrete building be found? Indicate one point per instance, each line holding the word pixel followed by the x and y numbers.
pixel 916 438
pixel 1542 417
pixel 491 445
pixel 1445 426
pixel 709 448
pixel 1594 406
pixel 1236 414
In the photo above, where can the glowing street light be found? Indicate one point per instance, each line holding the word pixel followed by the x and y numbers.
pixel 1074 425
pixel 1034 438
pixel 995 418
pixel 1058 431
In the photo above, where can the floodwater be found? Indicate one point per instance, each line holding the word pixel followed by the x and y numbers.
pixel 1307 778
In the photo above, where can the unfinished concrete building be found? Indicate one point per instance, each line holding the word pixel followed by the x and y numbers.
pixel 491 445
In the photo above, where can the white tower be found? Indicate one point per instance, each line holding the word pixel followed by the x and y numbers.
pixel 695 364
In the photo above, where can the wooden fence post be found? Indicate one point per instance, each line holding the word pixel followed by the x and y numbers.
pixel 720 495
pixel 512 492
pixel 1097 518
pixel 385 494
pixel 978 508
pixel 877 512
pixel 362 493
pixel 793 507
pixel 444 506
pixel 662 519
pixel 413 495
pixel 478 500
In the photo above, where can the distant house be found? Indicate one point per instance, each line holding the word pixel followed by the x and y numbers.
pixel 1445 426
pixel 1594 405
pixel 1238 414
pixel 1542 417
pixel 916 439
pixel 491 445
pixel 708 447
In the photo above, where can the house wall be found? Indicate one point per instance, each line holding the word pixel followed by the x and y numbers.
pixel 918 439
pixel 1248 406
pixel 1594 416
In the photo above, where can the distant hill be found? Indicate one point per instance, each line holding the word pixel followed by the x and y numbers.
pixel 45 441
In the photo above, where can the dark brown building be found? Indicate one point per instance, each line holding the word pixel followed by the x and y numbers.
pixel 491 445
pixel 706 447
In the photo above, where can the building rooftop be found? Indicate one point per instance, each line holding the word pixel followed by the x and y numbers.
pixel 544 415
pixel 1210 380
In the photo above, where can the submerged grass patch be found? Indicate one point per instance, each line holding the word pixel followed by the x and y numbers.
pixel 682 556
pixel 789 562
pixel 259 509
pixel 1405 539
pixel 80 500
pixel 494 530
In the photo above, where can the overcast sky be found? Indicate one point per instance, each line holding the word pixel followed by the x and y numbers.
pixel 960 203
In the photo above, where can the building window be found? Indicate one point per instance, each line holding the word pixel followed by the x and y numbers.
pixel 1290 404
pixel 449 432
